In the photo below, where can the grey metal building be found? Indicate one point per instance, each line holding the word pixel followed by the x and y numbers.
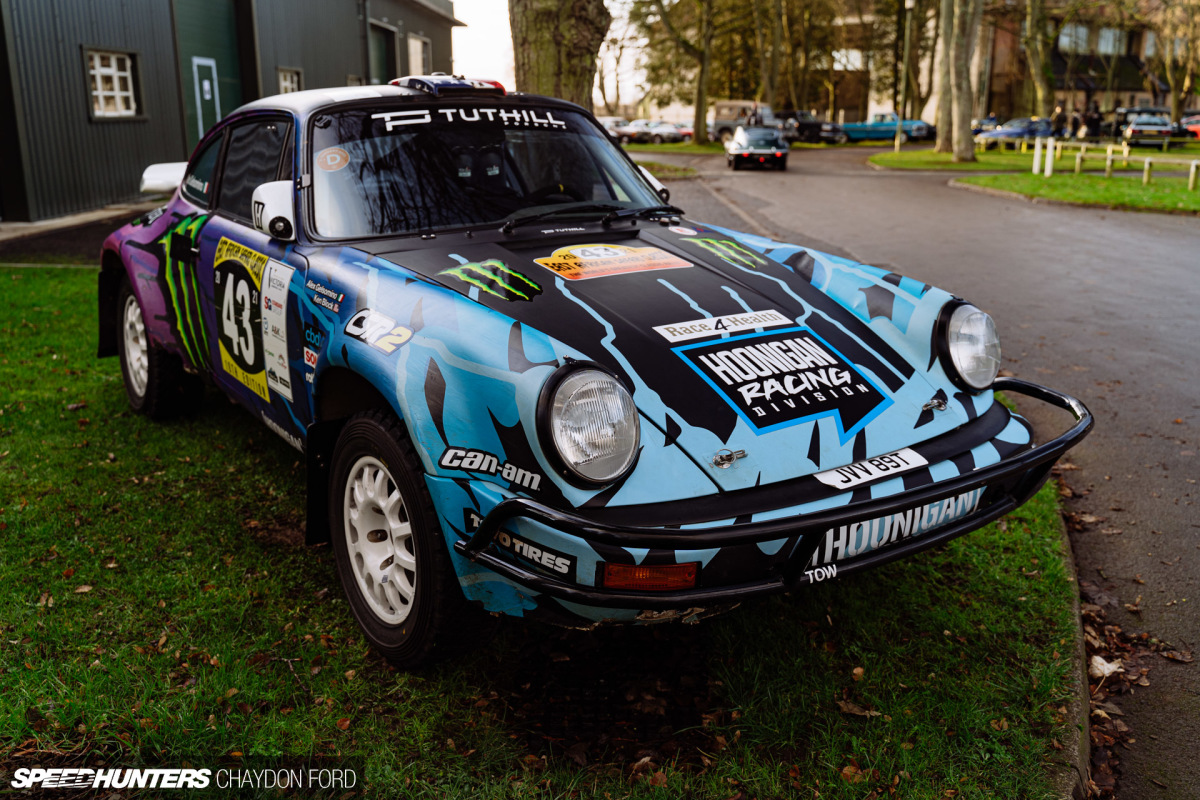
pixel 92 91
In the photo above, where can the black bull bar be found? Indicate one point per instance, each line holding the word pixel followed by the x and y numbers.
pixel 1011 482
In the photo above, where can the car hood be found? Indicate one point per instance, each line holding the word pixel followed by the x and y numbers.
pixel 729 343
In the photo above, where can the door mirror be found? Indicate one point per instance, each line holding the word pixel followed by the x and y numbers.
pixel 273 211
pixel 163 178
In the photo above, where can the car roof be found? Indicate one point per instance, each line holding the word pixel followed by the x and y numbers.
pixel 300 103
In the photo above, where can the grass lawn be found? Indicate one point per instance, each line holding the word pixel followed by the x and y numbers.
pixel 683 148
pixel 158 602
pixel 668 172
pixel 1016 161
pixel 1163 194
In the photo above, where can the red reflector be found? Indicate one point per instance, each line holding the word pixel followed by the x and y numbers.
pixel 761 159
pixel 659 578
pixel 777 155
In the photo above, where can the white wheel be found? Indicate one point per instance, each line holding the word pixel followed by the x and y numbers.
pixel 379 539
pixel 137 360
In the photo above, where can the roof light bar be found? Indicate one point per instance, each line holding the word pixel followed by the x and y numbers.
pixel 438 85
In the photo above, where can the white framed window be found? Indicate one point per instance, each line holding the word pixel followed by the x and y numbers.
pixel 1073 38
pixel 1112 42
pixel 420 55
pixel 290 80
pixel 111 78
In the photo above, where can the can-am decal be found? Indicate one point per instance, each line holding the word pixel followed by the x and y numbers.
pixel 716 326
pixel 773 380
pixel 488 464
pixel 579 262
pixel 848 541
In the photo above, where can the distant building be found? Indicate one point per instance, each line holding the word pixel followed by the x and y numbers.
pixel 92 91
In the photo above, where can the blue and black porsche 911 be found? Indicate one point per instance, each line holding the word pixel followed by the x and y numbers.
pixel 525 384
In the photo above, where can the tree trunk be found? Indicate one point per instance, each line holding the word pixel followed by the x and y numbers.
pixel 701 51
pixel 555 43
pixel 945 118
pixel 966 20
pixel 1037 53
pixel 776 51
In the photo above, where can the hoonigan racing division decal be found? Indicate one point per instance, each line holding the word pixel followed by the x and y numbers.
pixel 599 260
pixel 778 379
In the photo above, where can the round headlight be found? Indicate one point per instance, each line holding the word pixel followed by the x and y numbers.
pixel 594 425
pixel 974 346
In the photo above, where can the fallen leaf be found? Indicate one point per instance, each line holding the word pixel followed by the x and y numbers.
pixel 848 707
pixel 1000 724
pixel 350 674
pixel 343 723
pixel 1183 657
pixel 1099 668
pixel 68 572
pixel 84 589
pixel 852 774
pixel 658 779
pixel 857 673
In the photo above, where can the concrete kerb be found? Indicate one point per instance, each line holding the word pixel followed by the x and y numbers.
pixel 957 183
pixel 11 231
pixel 1069 775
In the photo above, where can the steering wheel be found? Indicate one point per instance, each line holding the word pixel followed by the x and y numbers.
pixel 552 190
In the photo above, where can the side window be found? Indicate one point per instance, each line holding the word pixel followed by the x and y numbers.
pixel 197 183
pixel 252 158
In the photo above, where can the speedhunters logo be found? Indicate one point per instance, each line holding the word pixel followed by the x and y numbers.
pixel 786 377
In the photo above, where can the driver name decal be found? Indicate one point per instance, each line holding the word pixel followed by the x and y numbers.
pixel 773 380
pixel 580 262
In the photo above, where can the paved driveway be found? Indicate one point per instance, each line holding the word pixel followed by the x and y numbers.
pixel 1104 305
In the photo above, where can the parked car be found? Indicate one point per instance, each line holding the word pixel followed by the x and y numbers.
pixel 1148 129
pixel 1191 125
pixel 522 383
pixel 1013 132
pixel 801 126
pixel 757 147
pixel 644 131
pixel 1124 115
pixel 612 124
pixel 729 114
pixel 883 126
pixel 685 130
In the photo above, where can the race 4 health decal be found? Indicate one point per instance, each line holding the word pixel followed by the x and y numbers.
pixel 774 380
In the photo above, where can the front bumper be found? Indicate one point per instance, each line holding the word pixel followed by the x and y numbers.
pixel 1006 485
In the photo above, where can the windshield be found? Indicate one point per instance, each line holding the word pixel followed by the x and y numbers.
pixel 762 136
pixel 413 169
pixel 1150 119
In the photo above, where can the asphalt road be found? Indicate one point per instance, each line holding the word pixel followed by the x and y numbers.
pixel 1101 304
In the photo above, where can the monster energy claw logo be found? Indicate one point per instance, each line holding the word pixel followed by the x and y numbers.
pixel 495 278
pixel 735 253
pixel 179 273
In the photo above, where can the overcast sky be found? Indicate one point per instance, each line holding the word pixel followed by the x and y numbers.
pixel 483 49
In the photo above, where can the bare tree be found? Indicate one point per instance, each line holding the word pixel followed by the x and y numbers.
pixel 1176 28
pixel 945 118
pixel 699 48
pixel 555 43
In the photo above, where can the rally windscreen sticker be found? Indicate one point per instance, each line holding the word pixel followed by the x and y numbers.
pixel 274 327
pixel 580 262
pixel 237 287
pixel 774 380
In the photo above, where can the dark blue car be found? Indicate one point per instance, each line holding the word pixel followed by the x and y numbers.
pixel 1013 132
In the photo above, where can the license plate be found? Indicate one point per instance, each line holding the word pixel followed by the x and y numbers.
pixel 861 472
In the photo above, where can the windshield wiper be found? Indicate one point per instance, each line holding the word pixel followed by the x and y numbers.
pixel 653 211
pixel 511 225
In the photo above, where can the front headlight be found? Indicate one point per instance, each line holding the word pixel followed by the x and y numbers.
pixel 825 126
pixel 973 347
pixel 591 420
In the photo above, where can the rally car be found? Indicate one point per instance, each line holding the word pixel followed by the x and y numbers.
pixel 526 384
